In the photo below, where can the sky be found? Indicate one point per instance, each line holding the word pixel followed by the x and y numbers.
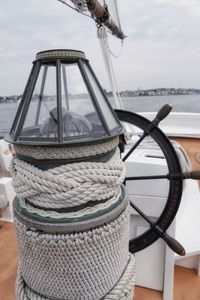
pixel 162 48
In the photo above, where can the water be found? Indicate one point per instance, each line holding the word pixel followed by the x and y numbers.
pixel 7 113
pixel 181 103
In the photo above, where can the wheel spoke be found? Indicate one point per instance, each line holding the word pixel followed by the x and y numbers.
pixel 171 242
pixel 147 177
pixel 167 176
pixel 186 175
pixel 146 133
pixel 141 213
pixel 134 146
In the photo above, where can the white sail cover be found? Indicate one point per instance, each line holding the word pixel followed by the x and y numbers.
pixel 113 10
pixel 111 4
pixel 105 12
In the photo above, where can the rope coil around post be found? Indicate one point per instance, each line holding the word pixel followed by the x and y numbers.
pixel 40 153
pixel 84 265
pixel 68 185
pixel 98 255
pixel 122 290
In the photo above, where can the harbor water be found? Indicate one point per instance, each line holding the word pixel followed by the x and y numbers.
pixel 180 103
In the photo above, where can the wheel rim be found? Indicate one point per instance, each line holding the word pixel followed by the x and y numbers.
pixel 175 184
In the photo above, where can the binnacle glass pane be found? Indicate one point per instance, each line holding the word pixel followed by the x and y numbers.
pixel 41 118
pixel 107 112
pixel 80 117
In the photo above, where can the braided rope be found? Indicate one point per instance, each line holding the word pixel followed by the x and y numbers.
pixel 123 290
pixel 84 265
pixel 39 152
pixel 68 185
pixel 78 214
pixel 60 53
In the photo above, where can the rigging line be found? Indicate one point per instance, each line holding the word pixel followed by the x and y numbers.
pixel 80 4
pixel 117 12
pixel 102 35
pixel 76 9
pixel 120 50
pixel 113 75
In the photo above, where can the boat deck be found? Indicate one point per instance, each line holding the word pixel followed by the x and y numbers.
pixel 186 284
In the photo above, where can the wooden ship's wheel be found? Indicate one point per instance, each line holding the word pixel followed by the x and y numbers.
pixel 157 229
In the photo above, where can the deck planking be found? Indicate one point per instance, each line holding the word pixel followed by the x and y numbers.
pixel 8 261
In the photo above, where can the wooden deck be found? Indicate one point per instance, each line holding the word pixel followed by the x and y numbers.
pixel 192 148
pixel 186 284
pixel 8 261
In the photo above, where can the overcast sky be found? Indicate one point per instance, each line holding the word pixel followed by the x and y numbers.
pixel 162 48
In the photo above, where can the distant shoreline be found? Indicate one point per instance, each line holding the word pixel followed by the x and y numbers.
pixel 160 92
pixel 132 96
pixel 127 93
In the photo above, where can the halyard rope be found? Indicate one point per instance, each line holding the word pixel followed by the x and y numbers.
pixel 68 185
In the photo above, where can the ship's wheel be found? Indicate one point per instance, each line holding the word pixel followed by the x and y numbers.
pixel 174 178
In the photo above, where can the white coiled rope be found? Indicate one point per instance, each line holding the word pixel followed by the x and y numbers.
pixel 41 152
pixel 75 214
pixel 92 264
pixel 68 185
pixel 82 265
pixel 123 290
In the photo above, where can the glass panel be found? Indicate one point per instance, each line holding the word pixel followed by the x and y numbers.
pixel 41 119
pixel 108 114
pixel 79 114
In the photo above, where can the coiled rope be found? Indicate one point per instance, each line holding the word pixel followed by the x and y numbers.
pixel 68 185
pixel 91 264
pixel 122 290
pixel 39 152
pixel 83 265
pixel 71 215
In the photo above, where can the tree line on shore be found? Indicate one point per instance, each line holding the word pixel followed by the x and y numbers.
pixel 158 92
pixel 126 93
